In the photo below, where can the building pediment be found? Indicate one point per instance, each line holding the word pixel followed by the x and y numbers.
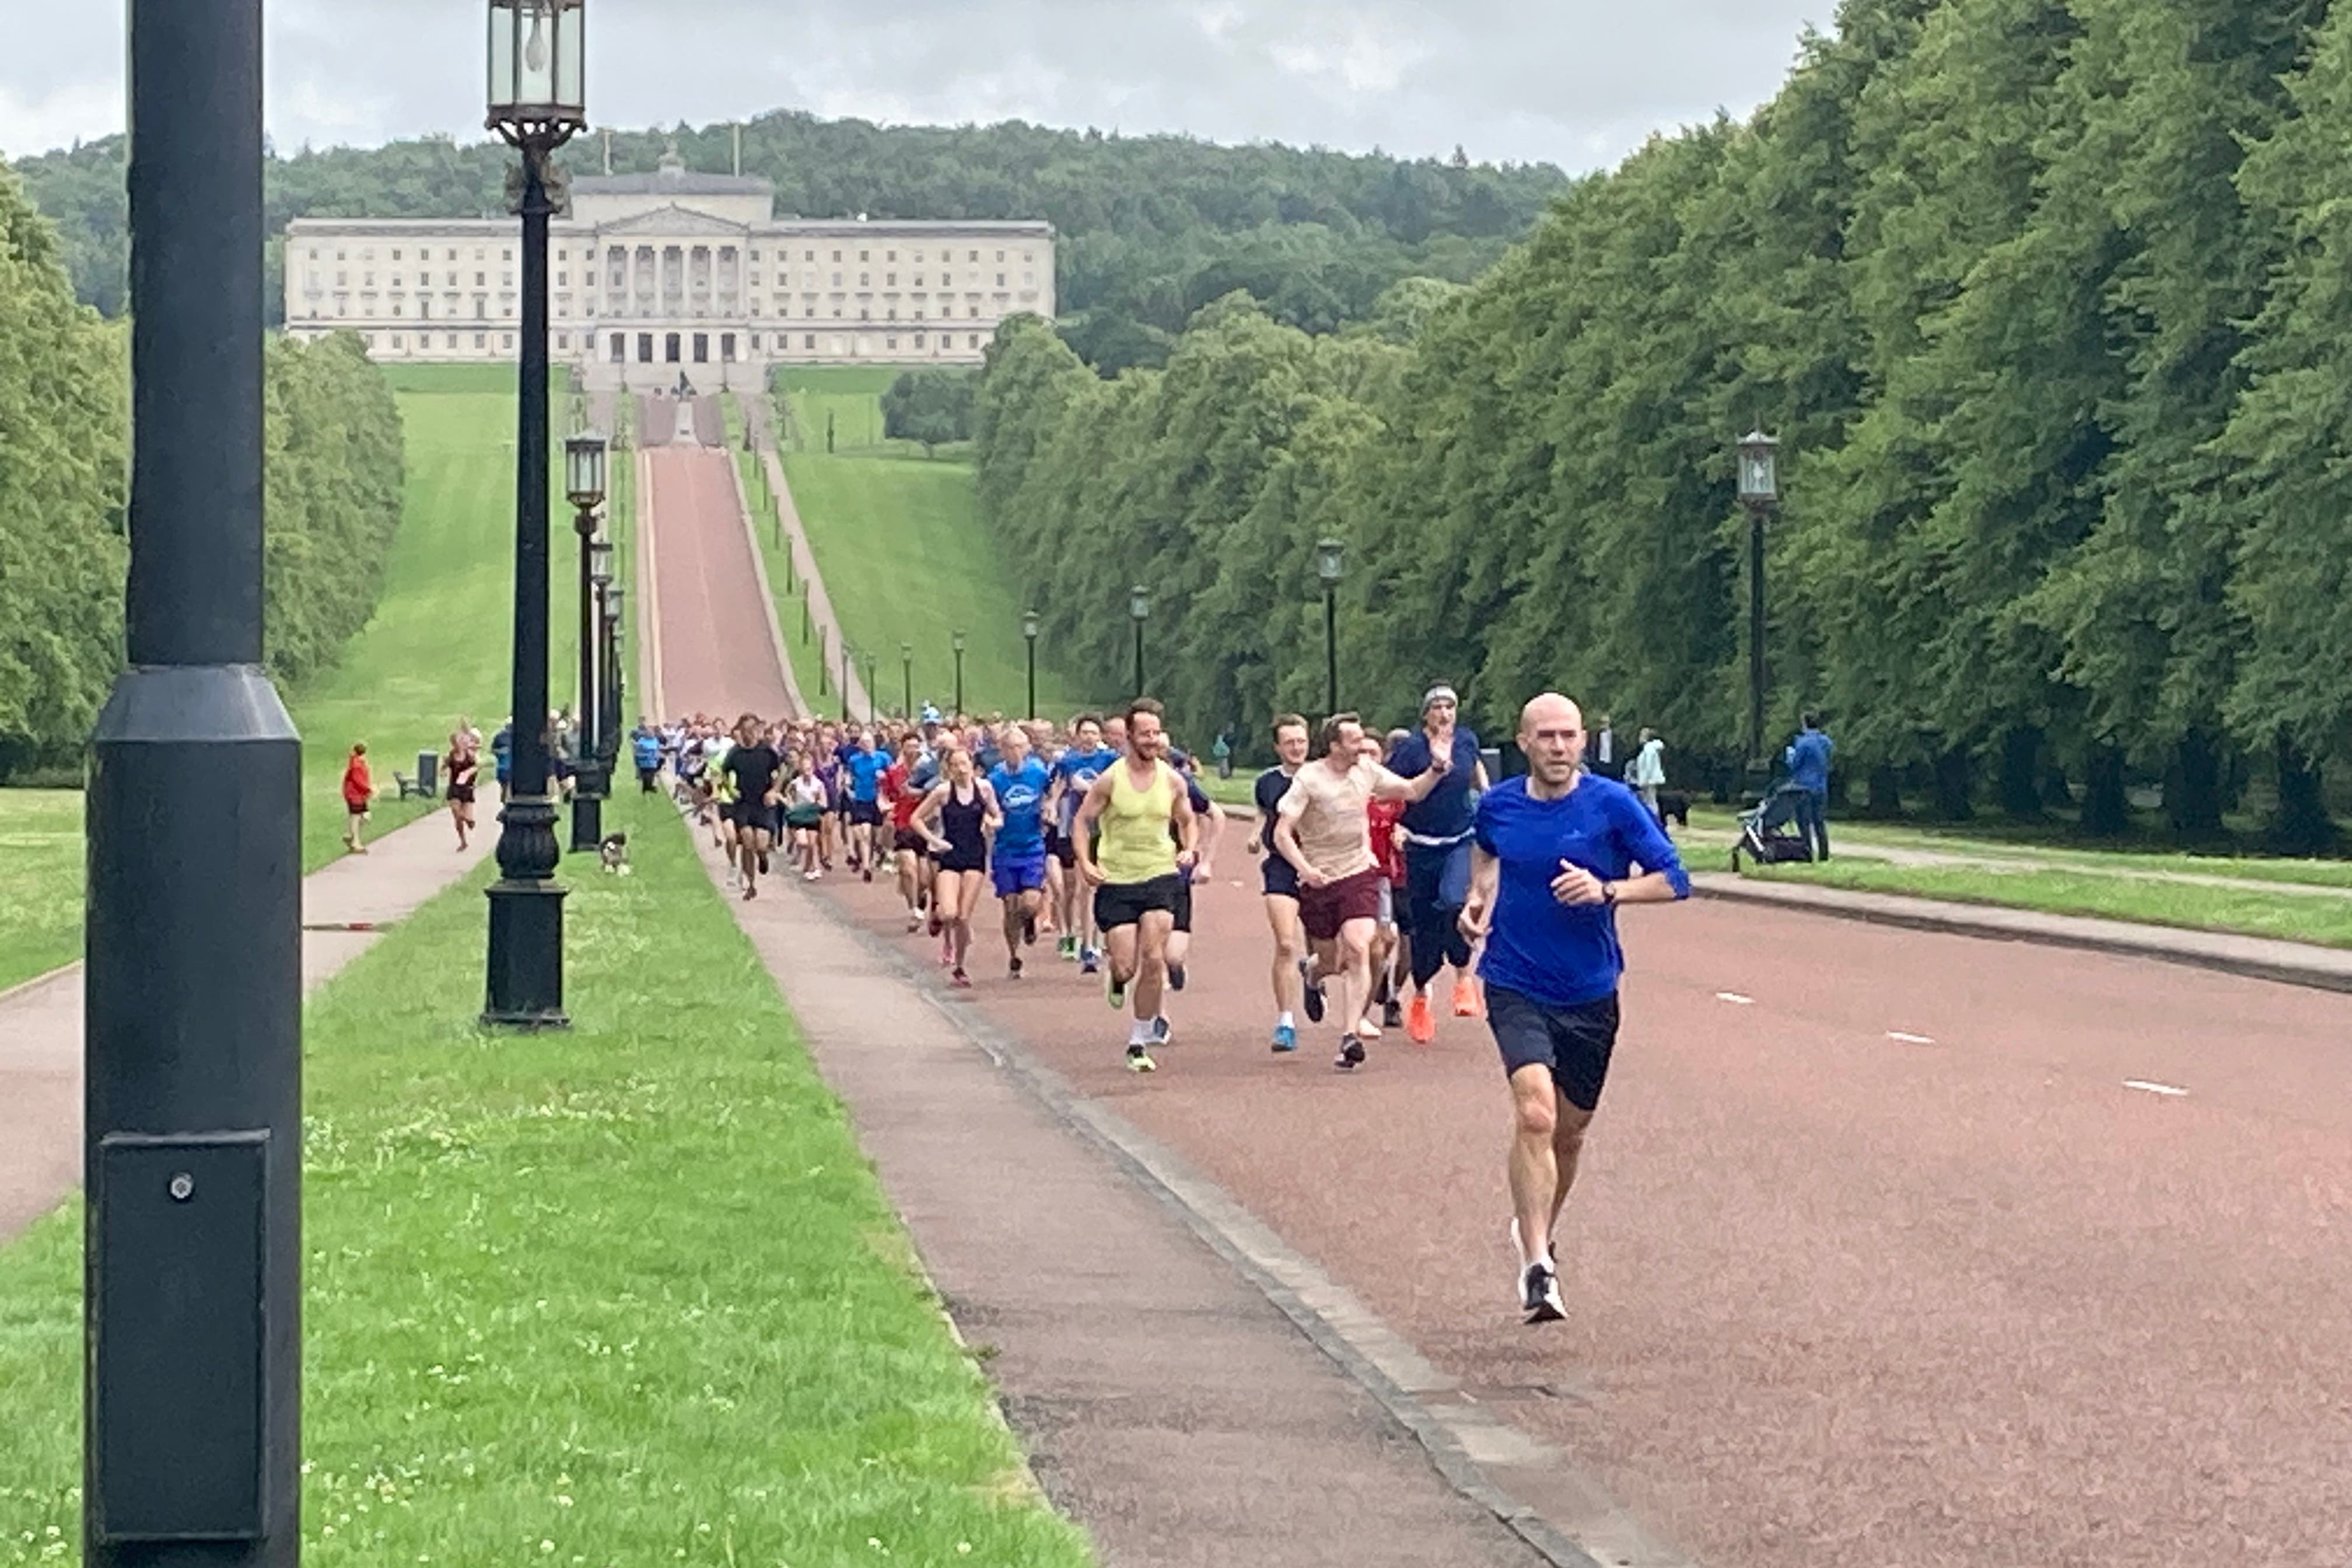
pixel 673 221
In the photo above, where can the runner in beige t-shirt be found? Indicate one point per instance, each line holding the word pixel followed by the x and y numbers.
pixel 1323 829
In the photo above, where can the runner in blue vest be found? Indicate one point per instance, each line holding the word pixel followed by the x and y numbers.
pixel 1017 859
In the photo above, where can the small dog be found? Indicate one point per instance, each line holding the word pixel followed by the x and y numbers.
pixel 614 853
pixel 1673 805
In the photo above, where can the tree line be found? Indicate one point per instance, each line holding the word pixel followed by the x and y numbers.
pixel 2045 300
pixel 334 484
pixel 1152 228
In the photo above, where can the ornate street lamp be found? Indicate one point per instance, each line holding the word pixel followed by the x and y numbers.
pixel 1759 493
pixel 537 103
pixel 907 671
pixel 615 599
pixel 873 666
pixel 1330 564
pixel 1030 627
pixel 846 655
pixel 583 484
pixel 1138 609
pixel 955 642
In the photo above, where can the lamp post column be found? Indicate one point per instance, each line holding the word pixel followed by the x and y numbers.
pixel 1029 628
pixel 1759 493
pixel 959 673
pixel 526 947
pixel 906 675
pixel 1138 610
pixel 1330 650
pixel 192 989
pixel 588 746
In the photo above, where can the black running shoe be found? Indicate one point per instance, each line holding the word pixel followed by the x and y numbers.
pixel 763 862
pixel 1351 1055
pixel 1028 931
pixel 1176 977
pixel 1314 992
pixel 1016 969
pixel 1392 1014
pixel 1540 1294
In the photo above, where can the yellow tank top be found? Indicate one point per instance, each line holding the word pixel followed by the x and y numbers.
pixel 1136 846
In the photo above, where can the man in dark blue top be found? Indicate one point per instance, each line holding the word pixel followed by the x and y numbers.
pixel 1437 860
pixel 1556 855
pixel 1807 760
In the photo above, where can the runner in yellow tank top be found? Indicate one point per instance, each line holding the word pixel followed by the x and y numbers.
pixel 1135 870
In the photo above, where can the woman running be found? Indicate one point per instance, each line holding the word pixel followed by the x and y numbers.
pixel 462 767
pixel 805 817
pixel 956 819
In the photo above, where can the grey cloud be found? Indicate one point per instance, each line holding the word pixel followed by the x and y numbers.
pixel 1577 82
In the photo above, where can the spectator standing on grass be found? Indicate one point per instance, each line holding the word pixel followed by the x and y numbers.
pixel 1807 760
pixel 1648 775
pixel 359 793
pixel 502 758
pixel 645 752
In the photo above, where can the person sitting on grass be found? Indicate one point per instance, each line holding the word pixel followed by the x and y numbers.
pixel 359 793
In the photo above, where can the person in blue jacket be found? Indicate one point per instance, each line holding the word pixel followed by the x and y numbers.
pixel 1808 761
pixel 645 751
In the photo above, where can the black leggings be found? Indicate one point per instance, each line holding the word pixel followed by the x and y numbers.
pixel 1436 884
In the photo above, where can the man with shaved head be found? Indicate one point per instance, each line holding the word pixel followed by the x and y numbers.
pixel 1556 852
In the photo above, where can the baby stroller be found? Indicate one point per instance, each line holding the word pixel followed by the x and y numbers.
pixel 1767 831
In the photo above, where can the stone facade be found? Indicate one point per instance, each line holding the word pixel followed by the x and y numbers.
pixel 652 275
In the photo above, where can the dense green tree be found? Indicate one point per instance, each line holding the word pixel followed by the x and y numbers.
pixel 932 407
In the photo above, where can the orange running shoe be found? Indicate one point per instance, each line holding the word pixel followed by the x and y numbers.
pixel 1468 1001
pixel 1420 1021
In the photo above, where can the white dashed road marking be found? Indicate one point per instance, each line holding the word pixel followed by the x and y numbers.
pixel 2168 1090
pixel 1735 998
pixel 1900 1038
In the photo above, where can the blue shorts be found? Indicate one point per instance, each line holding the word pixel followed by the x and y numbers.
pixel 1016 874
pixel 1278 878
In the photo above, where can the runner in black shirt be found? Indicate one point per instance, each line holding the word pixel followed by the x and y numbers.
pixel 753 766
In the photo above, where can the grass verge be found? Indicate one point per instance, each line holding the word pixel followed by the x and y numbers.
pixel 2151 902
pixel 41 881
pixel 627 1295
pixel 904 554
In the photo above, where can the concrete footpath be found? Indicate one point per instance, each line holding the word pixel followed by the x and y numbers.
pixel 345 906
pixel 1166 1402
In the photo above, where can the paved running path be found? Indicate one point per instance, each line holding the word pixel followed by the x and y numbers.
pixel 41 1023
pixel 821 610
pixel 700 580
pixel 1840 1299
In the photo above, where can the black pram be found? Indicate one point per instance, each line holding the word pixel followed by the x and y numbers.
pixel 1769 833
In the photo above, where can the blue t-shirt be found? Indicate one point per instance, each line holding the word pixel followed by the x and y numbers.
pixel 648 748
pixel 1808 761
pixel 1077 772
pixel 1444 812
pixel 1539 947
pixel 1020 796
pixel 866 770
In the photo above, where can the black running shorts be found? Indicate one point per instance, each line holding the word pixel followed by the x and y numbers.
pixel 1120 904
pixel 1575 1043
pixel 865 813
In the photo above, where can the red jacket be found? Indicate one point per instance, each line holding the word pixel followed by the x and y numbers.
pixel 359 789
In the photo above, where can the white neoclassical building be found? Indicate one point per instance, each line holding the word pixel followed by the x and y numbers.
pixel 655 275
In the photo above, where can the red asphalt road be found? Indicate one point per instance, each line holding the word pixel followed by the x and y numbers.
pixel 717 657
pixel 1838 1299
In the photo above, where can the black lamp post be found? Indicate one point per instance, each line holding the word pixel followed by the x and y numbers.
pixel 846 656
pixel 191 1117
pixel 537 103
pixel 1330 564
pixel 616 685
pixel 907 671
pixel 599 633
pixel 584 480
pixel 1029 629
pixel 1138 609
pixel 1759 492
pixel 873 667
pixel 957 643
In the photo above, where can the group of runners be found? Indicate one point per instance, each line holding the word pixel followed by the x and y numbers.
pixel 1384 862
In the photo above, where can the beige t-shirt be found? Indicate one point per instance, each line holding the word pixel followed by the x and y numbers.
pixel 1330 811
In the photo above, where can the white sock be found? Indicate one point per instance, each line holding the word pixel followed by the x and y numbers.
pixel 1138 1032
pixel 1286 1020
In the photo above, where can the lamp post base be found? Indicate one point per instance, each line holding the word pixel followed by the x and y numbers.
pixel 589 788
pixel 526 984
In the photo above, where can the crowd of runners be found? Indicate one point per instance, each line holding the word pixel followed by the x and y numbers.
pixel 1384 861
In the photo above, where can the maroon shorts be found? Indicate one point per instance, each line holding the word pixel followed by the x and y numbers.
pixel 1323 910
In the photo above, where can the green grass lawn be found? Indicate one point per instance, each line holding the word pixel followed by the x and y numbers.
pixel 2296 918
pixel 627 1295
pixel 905 558
pixel 41 881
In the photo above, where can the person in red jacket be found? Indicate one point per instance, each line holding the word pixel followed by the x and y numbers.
pixel 359 793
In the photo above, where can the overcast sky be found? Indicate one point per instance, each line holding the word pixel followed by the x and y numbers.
pixel 1575 83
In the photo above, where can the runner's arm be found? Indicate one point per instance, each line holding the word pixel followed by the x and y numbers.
pixel 1285 844
pixel 1486 879
pixel 1387 785
pixel 1082 827
pixel 1188 827
pixel 1216 837
pixel 992 815
pixel 928 812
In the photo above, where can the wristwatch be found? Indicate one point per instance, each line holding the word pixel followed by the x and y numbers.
pixel 1609 894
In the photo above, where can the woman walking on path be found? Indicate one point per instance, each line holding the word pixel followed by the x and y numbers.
pixel 359 793
pixel 464 767
pixel 955 820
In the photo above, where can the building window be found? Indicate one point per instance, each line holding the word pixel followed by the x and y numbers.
pixel 809 256
pixel 891 343
pixel 314 253
pixel 620 348
pixel 395 256
pixel 481 340
pixel 975 340
pixel 562 339
pixel 975 256
pixel 864 255
pixel 507 341
pixel 645 347
pixel 702 348
pixel 671 347
pixel 727 347
pixel 395 339
pixel 563 280
pixel 836 256
pixel 451 337
pixel 999 280
pixel 999 255
pixel 481 279
pixel 755 342
pixel 918 340
pixel 506 256
pixel 865 314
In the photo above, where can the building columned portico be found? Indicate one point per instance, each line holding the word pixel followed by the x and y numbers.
pixel 674 272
